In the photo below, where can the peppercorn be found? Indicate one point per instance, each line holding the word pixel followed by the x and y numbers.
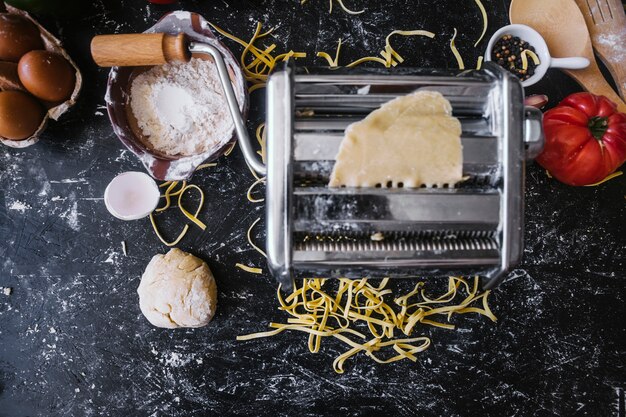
pixel 507 52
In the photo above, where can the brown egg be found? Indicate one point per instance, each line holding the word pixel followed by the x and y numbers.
pixel 18 35
pixel 47 75
pixel 20 115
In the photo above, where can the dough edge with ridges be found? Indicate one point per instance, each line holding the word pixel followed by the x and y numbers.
pixel 413 140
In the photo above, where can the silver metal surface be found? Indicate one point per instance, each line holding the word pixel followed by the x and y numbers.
pixel 533 132
pixel 315 152
pixel 400 246
pixel 511 120
pixel 279 183
pixel 319 210
pixel 327 123
pixel 475 227
pixel 233 106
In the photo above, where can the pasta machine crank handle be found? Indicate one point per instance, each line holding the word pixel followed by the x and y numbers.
pixel 248 150
pixel 144 49
pixel 139 49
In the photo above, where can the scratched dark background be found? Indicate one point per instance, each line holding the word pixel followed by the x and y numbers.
pixel 74 343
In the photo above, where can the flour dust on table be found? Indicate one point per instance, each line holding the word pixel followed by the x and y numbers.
pixel 74 341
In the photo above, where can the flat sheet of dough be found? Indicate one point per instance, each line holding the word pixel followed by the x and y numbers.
pixel 412 140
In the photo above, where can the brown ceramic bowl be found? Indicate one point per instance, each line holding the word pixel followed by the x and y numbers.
pixel 159 165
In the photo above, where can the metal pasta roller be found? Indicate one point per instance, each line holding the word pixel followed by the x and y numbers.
pixel 473 228
pixel 317 231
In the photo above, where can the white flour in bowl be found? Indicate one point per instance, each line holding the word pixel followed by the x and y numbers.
pixel 181 108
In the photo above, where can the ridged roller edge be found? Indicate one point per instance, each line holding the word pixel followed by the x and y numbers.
pixel 421 245
pixel 397 234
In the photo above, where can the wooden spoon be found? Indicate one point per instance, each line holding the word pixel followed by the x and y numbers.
pixel 563 26
pixel 606 22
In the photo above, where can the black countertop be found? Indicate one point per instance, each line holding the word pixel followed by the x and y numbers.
pixel 74 343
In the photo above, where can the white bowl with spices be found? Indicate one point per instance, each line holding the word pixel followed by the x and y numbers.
pixel 530 35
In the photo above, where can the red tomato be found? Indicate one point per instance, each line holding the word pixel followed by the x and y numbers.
pixel 585 139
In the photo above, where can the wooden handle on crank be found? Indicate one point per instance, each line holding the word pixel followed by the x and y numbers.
pixel 136 50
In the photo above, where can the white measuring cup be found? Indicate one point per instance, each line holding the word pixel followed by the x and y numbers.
pixel 533 37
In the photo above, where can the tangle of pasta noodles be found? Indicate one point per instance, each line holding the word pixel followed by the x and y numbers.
pixel 322 314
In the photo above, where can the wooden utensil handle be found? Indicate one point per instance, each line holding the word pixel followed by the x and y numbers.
pixel 591 79
pixel 616 62
pixel 617 69
pixel 135 50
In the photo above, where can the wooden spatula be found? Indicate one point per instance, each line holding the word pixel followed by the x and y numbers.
pixel 563 26
pixel 606 22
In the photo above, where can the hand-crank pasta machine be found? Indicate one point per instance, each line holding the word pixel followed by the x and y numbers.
pixel 474 228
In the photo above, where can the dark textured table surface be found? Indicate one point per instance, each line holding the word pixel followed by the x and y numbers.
pixel 74 343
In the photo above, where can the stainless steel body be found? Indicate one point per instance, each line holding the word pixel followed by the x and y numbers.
pixel 474 228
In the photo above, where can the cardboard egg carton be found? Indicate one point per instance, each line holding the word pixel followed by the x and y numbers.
pixel 9 81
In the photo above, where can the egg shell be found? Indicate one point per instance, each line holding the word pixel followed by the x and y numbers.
pixel 47 75
pixel 18 36
pixel 20 115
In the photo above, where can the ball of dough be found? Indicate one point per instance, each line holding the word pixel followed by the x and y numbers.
pixel 177 290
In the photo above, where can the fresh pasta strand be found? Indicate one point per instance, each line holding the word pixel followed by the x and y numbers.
pixel 162 239
pixel 357 302
pixel 528 53
pixel 250 269
pixel 340 2
pixel 193 217
pixel 203 166
pixel 483 13
pixel 608 177
pixel 344 8
pixel 252 187
pixel 332 62
pixel 249 235
pixel 479 63
pixel 169 193
pixel 455 52
pixel 392 58
pixel 257 70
